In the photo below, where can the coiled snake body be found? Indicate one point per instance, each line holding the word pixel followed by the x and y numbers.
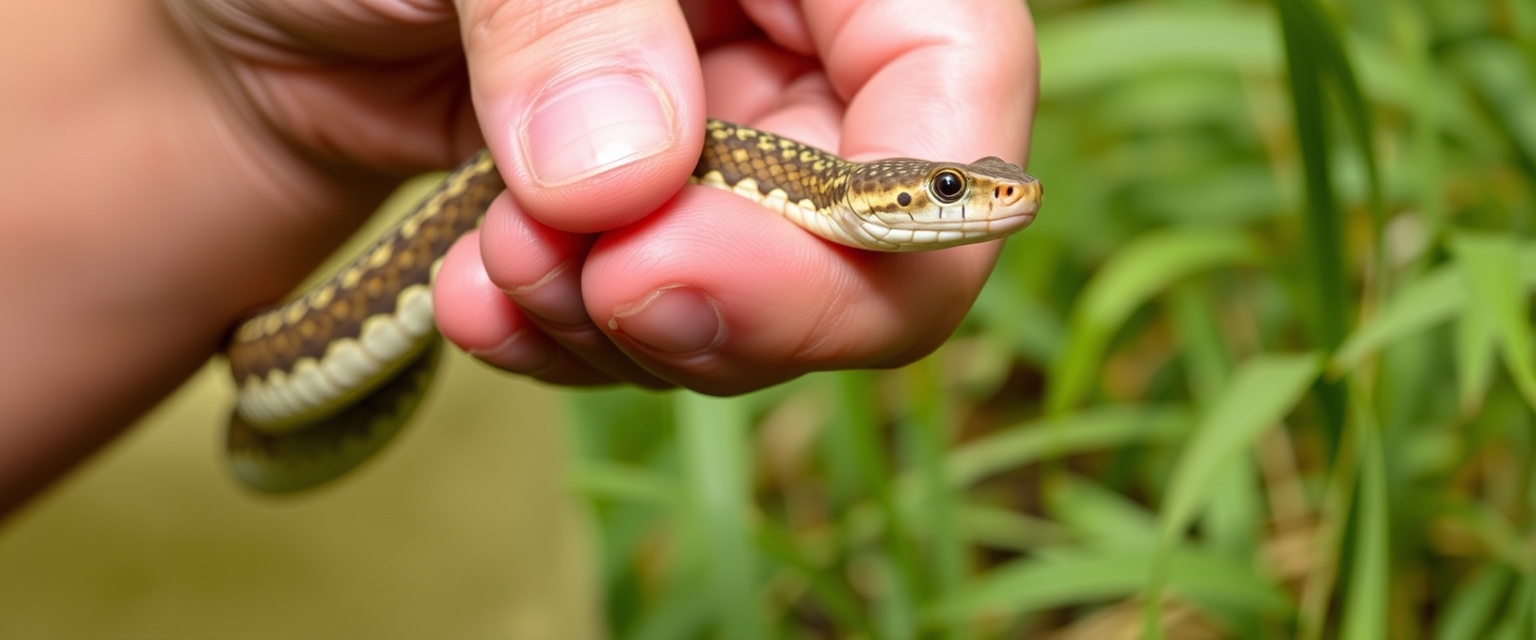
pixel 328 377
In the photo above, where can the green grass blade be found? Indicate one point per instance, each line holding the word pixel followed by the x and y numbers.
pixel 1471 607
pixel 1139 271
pixel 1338 496
pixel 1086 50
pixel 1099 517
pixel 1203 351
pixel 1322 259
pixel 924 437
pixel 1366 601
pixel 1262 391
pixel 850 445
pixel 1428 118
pixel 625 483
pixel 1476 354
pixel 680 613
pixel 1501 77
pixel 1006 528
pixel 1035 584
pixel 857 449
pixel 1433 298
pixel 714 436
pixel 1517 618
pixel 831 594
pixel 1087 430
pixel 894 616
pixel 1490 263
pixel 1233 523
pixel 1335 67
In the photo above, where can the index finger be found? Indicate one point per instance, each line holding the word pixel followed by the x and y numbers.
pixel 957 88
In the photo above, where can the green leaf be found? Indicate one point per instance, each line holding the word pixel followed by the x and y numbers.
pixel 1086 50
pixel 923 435
pixel 624 482
pixel 1425 302
pixel 831 594
pixel 1471 606
pixel 1098 516
pixel 1093 429
pixel 1366 602
pixel 1006 528
pixel 715 440
pixel 1262 391
pixel 1336 68
pixel 1476 351
pixel 1133 276
pixel 1322 257
pixel 1432 298
pixel 678 613
pixel 1490 264
pixel 1037 584
pixel 1516 619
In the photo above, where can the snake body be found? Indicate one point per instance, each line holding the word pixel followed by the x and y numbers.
pixel 328 377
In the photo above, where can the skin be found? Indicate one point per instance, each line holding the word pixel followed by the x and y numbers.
pixel 177 163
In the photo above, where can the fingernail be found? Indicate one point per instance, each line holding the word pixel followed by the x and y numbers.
pixel 523 352
pixel 555 298
pixel 675 319
pixel 593 124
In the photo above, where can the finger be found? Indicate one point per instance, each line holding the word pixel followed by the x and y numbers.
pixel 756 82
pixel 958 86
pixel 530 318
pixel 593 110
pixel 718 295
pixel 540 269
pixel 362 83
pixel 337 28
pixel 784 23
pixel 475 315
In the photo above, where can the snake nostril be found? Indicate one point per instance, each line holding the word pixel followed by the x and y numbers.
pixel 1010 194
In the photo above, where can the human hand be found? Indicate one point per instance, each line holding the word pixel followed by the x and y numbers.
pixel 178 162
pixel 613 272
pixel 595 269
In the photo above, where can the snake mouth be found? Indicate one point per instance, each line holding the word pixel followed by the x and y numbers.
pixel 1015 222
pixel 936 234
pixel 1008 223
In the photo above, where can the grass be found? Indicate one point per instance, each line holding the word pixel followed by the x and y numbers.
pixel 1264 368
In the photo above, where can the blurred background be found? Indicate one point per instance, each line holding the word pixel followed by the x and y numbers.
pixel 1263 368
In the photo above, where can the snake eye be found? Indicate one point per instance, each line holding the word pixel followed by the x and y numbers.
pixel 947 186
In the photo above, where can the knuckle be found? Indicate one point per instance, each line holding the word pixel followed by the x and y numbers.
pixel 524 24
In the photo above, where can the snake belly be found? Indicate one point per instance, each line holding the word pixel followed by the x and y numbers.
pixel 327 378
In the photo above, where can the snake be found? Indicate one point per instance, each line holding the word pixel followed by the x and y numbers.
pixel 327 378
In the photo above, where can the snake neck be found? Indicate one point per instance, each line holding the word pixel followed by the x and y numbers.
pixel 742 160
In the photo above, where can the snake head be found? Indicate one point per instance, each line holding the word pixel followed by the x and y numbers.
pixel 915 205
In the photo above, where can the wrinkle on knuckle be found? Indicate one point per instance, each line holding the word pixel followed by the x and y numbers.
pixel 416 12
pixel 869 38
pixel 526 23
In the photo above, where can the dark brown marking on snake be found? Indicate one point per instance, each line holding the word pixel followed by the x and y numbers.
pixel 802 172
pixel 377 291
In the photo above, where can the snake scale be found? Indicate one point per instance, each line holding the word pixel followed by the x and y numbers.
pixel 327 378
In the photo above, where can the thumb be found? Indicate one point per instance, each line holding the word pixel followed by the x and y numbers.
pixel 593 110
